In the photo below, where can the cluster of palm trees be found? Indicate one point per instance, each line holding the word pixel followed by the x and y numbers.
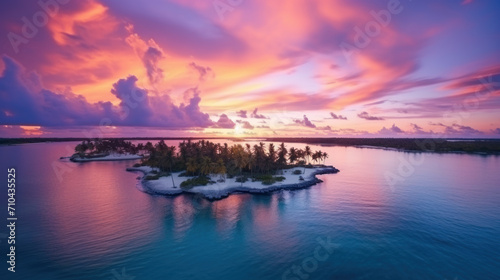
pixel 105 146
pixel 204 157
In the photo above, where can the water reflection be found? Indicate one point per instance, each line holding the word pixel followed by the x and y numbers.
pixel 440 222
pixel 92 214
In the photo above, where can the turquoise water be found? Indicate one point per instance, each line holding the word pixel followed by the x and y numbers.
pixel 440 220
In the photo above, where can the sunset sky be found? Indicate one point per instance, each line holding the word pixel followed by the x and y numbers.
pixel 250 68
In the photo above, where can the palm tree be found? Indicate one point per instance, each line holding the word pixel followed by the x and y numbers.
pixel 140 147
pixel 170 154
pixel 271 157
pixel 301 156
pixel 206 166
pixel 191 166
pixel 325 156
pixel 307 153
pixel 81 148
pixel 91 146
pixel 317 156
pixel 251 159
pixel 282 152
pixel 292 156
pixel 149 147
pixel 220 168
pixel 240 157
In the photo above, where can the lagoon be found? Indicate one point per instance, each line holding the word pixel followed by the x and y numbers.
pixel 439 220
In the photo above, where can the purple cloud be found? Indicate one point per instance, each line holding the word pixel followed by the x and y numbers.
pixel 24 101
pixel 246 124
pixel 256 115
pixel 418 129
pixel 458 129
pixel 328 128
pixel 242 114
pixel 366 116
pixel 306 122
pixel 391 130
pixel 150 60
pixel 224 122
pixel 203 72
pixel 337 117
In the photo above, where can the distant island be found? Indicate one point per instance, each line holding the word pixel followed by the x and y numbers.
pixel 437 145
pixel 211 169
pixel 106 150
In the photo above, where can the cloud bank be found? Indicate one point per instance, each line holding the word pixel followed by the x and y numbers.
pixel 24 101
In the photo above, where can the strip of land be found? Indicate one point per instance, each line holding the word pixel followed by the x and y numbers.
pixel 293 178
pixel 439 145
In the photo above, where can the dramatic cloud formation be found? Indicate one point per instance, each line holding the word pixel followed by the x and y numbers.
pixel 366 116
pixel 431 61
pixel 25 102
pixel 337 117
pixel 305 122
pixel 150 59
pixel 224 122
pixel 150 54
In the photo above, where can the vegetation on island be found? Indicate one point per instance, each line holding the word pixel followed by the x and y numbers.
pixel 203 158
pixel 100 147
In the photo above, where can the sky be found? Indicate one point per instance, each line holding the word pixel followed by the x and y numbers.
pixel 250 68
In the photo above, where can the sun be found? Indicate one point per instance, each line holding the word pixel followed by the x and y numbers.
pixel 238 129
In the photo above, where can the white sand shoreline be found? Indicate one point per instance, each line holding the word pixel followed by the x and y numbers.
pixel 218 190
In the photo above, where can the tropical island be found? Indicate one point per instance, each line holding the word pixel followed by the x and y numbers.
pixel 106 150
pixel 211 169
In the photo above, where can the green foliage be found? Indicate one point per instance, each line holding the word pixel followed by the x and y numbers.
pixel 89 148
pixel 268 179
pixel 196 181
pixel 156 175
pixel 206 158
pixel 262 177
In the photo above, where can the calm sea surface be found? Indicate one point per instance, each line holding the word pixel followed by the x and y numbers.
pixel 440 219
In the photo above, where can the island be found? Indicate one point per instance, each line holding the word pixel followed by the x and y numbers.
pixel 105 150
pixel 213 170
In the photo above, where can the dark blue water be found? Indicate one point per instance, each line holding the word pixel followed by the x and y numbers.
pixel 439 220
